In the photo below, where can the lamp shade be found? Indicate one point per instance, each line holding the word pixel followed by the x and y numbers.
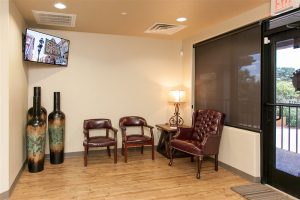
pixel 177 96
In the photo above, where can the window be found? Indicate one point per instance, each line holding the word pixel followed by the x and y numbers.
pixel 227 76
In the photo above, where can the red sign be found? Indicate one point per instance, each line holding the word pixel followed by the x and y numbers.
pixel 280 6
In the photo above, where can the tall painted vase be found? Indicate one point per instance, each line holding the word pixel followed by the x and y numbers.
pixel 56 130
pixel 37 92
pixel 36 137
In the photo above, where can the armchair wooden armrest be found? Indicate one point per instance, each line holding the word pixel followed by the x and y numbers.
pixel 86 133
pixel 148 126
pixel 114 129
pixel 151 129
pixel 123 131
pixel 115 132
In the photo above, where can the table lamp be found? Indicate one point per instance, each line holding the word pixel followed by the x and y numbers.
pixel 176 97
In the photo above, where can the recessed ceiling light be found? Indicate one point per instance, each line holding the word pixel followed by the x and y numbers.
pixel 124 13
pixel 60 6
pixel 181 19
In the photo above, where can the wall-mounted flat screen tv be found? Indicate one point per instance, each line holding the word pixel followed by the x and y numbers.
pixel 44 48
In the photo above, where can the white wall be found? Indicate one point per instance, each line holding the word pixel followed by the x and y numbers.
pixel 13 94
pixel 239 148
pixel 109 76
pixel 17 94
pixel 4 96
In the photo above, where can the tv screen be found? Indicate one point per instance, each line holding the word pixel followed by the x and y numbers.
pixel 44 48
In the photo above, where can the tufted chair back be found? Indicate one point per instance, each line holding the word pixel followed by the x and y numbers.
pixel 206 123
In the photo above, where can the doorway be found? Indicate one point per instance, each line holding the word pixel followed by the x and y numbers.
pixel 281 111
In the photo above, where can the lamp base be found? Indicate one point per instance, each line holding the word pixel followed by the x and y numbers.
pixel 176 121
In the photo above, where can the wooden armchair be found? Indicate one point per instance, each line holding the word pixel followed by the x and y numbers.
pixel 99 141
pixel 134 140
pixel 202 139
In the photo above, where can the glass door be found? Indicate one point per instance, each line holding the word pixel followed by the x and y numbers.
pixel 281 114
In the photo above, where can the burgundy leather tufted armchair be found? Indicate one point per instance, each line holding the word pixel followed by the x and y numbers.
pixel 133 140
pixel 99 141
pixel 202 139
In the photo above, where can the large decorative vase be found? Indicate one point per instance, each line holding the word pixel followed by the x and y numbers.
pixel 37 93
pixel 56 130
pixel 36 137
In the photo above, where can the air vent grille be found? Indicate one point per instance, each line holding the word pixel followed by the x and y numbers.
pixel 167 29
pixel 54 19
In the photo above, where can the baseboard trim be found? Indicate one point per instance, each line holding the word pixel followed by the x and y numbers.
pixel 240 173
pixel 5 195
pixel 92 152
pixel 71 154
pixel 237 171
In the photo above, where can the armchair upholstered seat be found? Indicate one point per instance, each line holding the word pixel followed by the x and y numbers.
pixel 202 139
pixel 135 140
pixel 99 141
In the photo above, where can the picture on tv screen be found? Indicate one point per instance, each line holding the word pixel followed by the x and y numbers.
pixel 44 48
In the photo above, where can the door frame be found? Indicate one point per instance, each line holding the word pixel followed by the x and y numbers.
pixel 270 175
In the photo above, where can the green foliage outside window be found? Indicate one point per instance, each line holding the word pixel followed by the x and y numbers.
pixel 285 93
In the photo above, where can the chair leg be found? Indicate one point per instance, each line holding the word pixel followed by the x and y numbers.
pixel 87 150
pixel 122 149
pixel 142 149
pixel 115 153
pixel 216 162
pixel 125 152
pixel 85 155
pixel 200 158
pixel 192 159
pixel 108 151
pixel 171 156
pixel 152 150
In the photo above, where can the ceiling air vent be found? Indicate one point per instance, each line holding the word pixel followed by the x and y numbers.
pixel 167 29
pixel 55 19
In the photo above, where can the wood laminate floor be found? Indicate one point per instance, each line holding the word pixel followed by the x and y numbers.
pixel 140 178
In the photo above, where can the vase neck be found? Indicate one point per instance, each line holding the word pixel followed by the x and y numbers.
pixel 56 101
pixel 36 106
pixel 37 91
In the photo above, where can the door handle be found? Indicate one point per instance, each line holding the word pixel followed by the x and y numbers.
pixel 270 110
pixel 280 113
